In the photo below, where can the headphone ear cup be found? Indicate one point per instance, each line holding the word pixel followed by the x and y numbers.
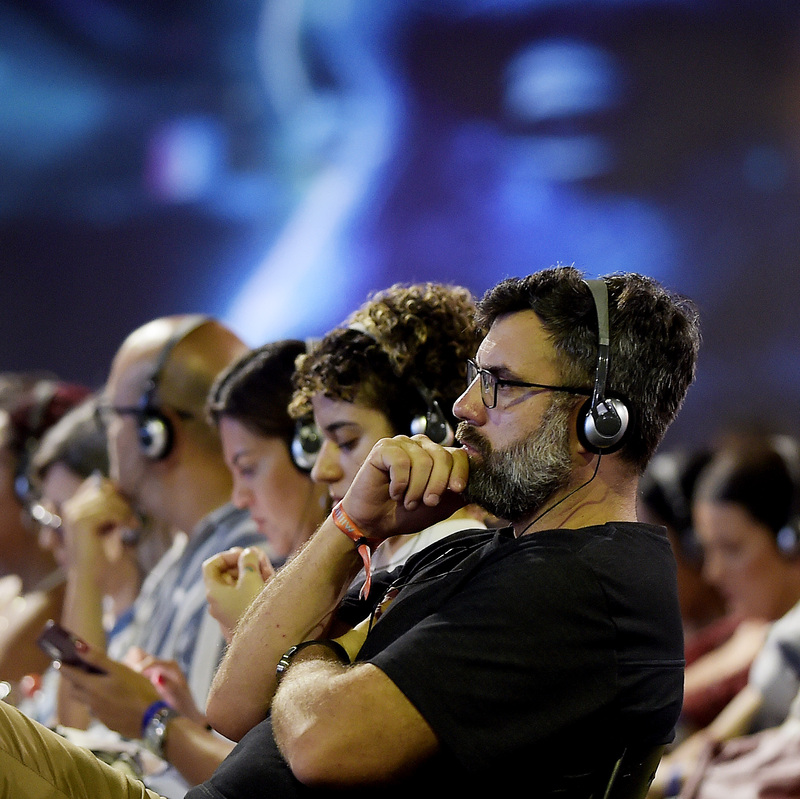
pixel 305 446
pixel 602 429
pixel 155 436
pixel 434 425
pixel 788 538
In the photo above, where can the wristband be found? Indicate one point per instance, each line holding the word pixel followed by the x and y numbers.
pixel 364 545
pixel 151 711
pixel 288 655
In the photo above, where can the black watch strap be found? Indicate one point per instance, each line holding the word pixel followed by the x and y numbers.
pixel 289 654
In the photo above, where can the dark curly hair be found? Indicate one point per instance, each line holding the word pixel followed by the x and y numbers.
pixel 402 340
pixel 655 338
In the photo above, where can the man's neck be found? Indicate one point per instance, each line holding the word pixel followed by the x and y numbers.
pixel 591 502
pixel 197 496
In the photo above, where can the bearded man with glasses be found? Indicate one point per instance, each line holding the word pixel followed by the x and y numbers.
pixel 541 654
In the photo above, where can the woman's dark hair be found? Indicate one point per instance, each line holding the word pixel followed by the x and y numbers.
pixel 760 475
pixel 256 389
pixel 667 490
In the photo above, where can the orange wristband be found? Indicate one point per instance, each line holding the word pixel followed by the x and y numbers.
pixel 364 545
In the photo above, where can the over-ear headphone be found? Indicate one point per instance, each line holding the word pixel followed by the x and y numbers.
pixel 788 537
pixel 602 420
pixel 306 445
pixel 155 431
pixel 432 423
pixel 307 440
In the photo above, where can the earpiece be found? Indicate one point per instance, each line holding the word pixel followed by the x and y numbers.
pixel 602 420
pixel 155 430
pixel 788 537
pixel 433 423
pixel 306 445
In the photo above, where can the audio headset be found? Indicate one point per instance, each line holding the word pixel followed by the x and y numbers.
pixel 788 537
pixel 307 440
pixel 306 444
pixel 433 423
pixel 155 431
pixel 44 392
pixel 602 421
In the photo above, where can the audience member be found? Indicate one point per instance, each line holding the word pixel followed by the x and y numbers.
pixel 33 585
pixel 719 647
pixel 391 369
pixel 746 518
pixel 166 464
pixel 665 497
pixel 104 572
pixel 546 648
pixel 249 404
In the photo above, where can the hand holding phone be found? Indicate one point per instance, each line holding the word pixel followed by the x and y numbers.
pixel 62 645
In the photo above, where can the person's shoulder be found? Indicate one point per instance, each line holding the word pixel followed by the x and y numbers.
pixel 231 526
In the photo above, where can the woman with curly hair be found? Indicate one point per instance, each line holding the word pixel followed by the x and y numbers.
pixel 395 367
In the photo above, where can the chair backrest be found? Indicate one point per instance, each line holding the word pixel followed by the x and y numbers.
pixel 633 773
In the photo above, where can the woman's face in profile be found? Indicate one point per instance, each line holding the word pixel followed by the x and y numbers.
pixel 265 482
pixel 742 559
pixel 349 432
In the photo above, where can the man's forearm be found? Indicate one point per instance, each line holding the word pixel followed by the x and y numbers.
pixel 296 604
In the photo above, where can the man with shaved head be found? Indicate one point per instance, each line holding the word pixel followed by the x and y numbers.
pixel 166 464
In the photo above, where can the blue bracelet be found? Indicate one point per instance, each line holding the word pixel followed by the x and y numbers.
pixel 159 704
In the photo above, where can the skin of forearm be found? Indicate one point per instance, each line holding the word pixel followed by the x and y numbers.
pixel 83 615
pixel 193 750
pixel 295 605
pixel 340 726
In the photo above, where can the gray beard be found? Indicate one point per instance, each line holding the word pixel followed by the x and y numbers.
pixel 516 482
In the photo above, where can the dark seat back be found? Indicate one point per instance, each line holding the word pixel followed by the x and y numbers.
pixel 633 773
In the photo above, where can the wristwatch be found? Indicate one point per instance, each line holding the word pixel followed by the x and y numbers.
pixel 155 732
pixel 288 655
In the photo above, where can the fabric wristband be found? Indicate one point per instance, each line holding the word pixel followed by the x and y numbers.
pixel 364 545
pixel 151 711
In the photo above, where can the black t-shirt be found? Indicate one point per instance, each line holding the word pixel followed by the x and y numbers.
pixel 538 657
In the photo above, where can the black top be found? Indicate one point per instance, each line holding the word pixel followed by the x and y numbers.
pixel 533 658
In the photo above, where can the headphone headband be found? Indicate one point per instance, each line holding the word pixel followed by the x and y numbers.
pixel 190 324
pixel 603 420
pixel 155 429
pixel 433 423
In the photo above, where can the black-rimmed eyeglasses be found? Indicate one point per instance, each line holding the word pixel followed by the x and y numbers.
pixel 105 412
pixel 490 381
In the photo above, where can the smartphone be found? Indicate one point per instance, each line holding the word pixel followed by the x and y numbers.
pixel 60 644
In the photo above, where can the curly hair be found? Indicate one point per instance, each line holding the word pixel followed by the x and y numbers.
pixel 655 338
pixel 401 343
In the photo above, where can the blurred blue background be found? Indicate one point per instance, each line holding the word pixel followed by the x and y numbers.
pixel 272 162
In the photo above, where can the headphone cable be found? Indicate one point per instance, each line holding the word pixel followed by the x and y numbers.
pixel 563 499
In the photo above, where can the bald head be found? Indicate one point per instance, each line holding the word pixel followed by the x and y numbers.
pixel 170 363
pixel 182 355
